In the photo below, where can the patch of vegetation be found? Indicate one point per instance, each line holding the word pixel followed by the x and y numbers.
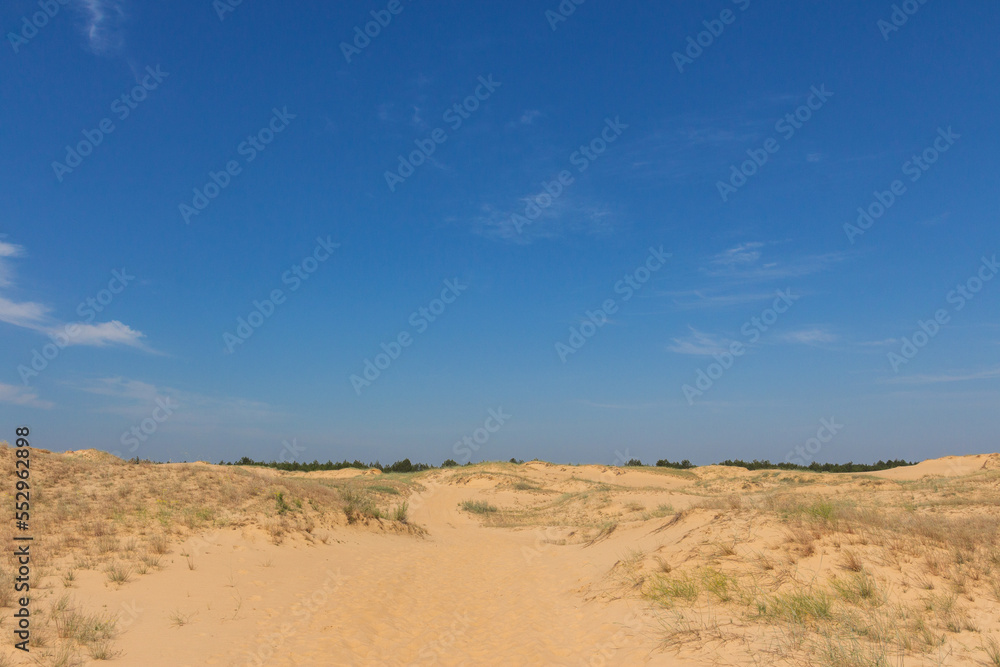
pixel 992 649
pixel 358 505
pixel 799 607
pixel 280 504
pixel 525 486
pixel 118 574
pixel 661 511
pixel 718 584
pixel 683 465
pixel 666 590
pixel 382 488
pixel 859 588
pixel 478 507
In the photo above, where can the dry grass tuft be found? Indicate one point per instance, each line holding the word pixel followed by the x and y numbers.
pixel 852 562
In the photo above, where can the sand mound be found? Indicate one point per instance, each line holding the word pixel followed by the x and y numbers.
pixel 94 455
pixel 346 473
pixel 716 471
pixel 947 466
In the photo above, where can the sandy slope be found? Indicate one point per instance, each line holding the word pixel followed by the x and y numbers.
pixel 462 595
pixel 571 568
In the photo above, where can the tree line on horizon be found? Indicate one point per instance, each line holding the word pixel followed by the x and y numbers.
pixel 815 466
pixel 294 466
pixel 407 466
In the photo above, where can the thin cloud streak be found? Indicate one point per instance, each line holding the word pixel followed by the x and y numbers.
pixel 989 374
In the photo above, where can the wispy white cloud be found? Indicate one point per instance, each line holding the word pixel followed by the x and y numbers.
pixel 743 254
pixel 936 220
pixel 416 119
pixel 103 24
pixel 562 217
pixel 700 343
pixel 710 298
pixel 22 396
pixel 7 250
pixel 887 342
pixel 36 316
pixel 25 314
pixel 106 333
pixel 529 116
pixel 133 398
pixel 749 262
pixel 740 275
pixel 10 249
pixel 808 337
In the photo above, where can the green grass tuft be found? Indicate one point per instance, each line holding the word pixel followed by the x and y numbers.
pixel 478 507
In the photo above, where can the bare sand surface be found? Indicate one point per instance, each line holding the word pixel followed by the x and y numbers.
pixel 504 564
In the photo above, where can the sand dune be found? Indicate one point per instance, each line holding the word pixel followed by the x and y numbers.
pixel 504 564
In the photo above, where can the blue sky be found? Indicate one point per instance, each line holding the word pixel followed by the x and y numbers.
pixel 249 156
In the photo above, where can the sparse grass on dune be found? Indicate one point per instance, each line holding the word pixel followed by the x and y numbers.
pixel 120 518
pixel 802 568
pixel 892 569
pixel 102 511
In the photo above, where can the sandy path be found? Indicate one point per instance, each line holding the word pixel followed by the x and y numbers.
pixel 462 595
pixel 468 596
